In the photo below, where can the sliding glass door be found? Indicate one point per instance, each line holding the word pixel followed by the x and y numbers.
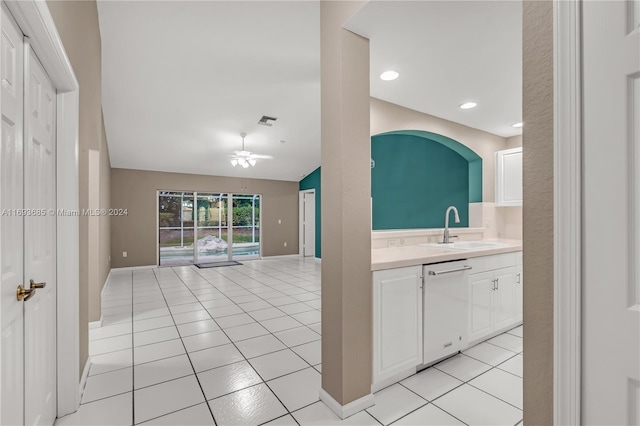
pixel 204 227
pixel 213 233
pixel 246 226
pixel 176 231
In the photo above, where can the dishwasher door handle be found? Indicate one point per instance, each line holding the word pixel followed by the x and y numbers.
pixel 449 271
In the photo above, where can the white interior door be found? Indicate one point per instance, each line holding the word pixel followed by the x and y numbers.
pixel 309 224
pixel 611 213
pixel 27 194
pixel 11 224
pixel 40 244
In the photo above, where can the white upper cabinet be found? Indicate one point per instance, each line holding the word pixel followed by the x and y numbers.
pixel 509 177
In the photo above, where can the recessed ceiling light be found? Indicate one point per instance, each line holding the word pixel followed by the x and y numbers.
pixel 389 75
pixel 468 105
pixel 517 125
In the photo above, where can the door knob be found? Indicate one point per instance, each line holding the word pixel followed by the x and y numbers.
pixel 24 293
pixel 34 285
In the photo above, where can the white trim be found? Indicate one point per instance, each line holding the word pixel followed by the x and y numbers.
pixel 136 268
pixel 344 411
pixel 567 212
pixel 35 21
pixel 318 259
pixel 83 378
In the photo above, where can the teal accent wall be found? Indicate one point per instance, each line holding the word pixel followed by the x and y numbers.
pixel 312 181
pixel 417 175
pixel 414 181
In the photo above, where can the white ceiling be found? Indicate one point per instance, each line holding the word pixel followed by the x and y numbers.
pixel 182 80
pixel 448 53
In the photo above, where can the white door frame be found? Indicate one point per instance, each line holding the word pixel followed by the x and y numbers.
pixel 35 21
pixel 301 219
pixel 567 212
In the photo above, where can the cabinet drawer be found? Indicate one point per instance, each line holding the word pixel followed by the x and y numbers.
pixel 489 263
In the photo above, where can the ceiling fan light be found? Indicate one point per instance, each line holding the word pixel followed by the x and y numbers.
pixel 245 164
pixel 234 162
pixel 252 162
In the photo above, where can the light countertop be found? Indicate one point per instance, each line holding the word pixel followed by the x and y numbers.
pixel 411 255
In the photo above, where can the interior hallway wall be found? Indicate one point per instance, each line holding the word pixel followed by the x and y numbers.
pixel 137 232
pixel 538 112
pixel 77 24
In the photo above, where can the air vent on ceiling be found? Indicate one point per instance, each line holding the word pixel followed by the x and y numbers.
pixel 267 121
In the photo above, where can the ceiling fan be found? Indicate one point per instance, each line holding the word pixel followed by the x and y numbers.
pixel 246 158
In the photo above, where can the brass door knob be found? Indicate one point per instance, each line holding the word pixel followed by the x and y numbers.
pixel 34 284
pixel 24 294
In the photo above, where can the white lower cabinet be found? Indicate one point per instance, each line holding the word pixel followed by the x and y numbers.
pixel 495 296
pixel 397 322
pixel 494 304
pixel 519 290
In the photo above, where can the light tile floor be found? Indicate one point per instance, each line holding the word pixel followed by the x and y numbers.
pixel 241 345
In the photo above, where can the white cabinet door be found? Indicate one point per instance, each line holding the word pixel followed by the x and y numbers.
pixel 519 284
pixel 480 305
pixel 509 177
pixel 504 307
pixel 495 302
pixel 397 326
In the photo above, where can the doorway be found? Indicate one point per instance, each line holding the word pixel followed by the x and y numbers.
pixel 203 227
pixel 28 227
pixel 307 222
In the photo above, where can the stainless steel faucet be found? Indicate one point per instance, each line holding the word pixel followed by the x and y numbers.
pixel 445 237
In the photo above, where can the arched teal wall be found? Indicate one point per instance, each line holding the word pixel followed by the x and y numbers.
pixel 417 175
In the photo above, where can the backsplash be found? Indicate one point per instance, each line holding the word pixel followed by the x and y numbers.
pixel 486 221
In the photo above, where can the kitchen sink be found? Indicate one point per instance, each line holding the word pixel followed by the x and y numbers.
pixel 466 245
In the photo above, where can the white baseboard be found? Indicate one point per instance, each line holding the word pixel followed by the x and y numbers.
pixel 344 411
pixel 83 379
pixel 134 268
pixel 104 284
pixel 282 256
pixel 95 324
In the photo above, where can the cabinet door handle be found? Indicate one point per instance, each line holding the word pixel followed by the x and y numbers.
pixel 449 271
pixel 518 275
pixel 497 283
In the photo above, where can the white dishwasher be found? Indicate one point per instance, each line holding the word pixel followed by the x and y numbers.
pixel 446 309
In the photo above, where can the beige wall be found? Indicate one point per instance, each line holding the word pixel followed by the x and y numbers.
pixel 386 117
pixel 346 188
pixel 77 24
pixel 514 141
pixel 137 233
pixel 538 211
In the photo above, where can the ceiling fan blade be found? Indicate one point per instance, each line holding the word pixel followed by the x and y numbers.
pixel 261 157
